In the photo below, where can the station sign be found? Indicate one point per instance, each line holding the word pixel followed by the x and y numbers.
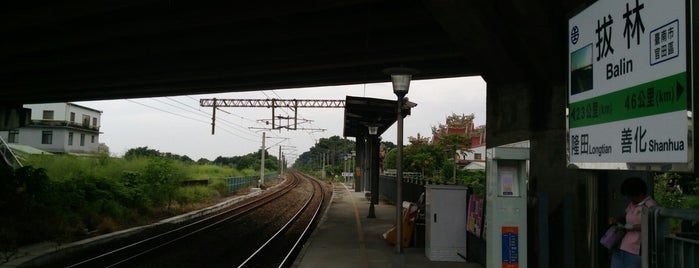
pixel 628 95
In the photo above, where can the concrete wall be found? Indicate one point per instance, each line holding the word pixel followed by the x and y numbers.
pixel 32 137
pixel 12 117
pixel 59 110
pixel 62 111
pixel 562 222
pixel 80 111
pixel 478 150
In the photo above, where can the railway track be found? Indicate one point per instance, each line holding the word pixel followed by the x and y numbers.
pixel 262 232
pixel 280 250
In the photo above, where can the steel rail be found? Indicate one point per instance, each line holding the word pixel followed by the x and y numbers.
pixel 282 229
pixel 316 189
pixel 310 223
pixel 196 226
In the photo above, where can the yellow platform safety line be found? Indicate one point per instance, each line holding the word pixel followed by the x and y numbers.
pixel 360 231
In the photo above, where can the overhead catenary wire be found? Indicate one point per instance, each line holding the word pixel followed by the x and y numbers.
pixel 207 116
pixel 297 112
pixel 165 111
pixel 186 117
pixel 234 114
pixel 201 113
pixel 264 123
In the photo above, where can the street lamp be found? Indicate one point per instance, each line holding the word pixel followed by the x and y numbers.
pixel 353 163
pixel 373 131
pixel 400 78
pixel 344 168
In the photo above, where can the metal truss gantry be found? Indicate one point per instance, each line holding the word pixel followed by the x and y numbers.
pixel 293 104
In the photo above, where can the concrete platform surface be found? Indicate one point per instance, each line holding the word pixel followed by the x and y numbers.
pixel 345 237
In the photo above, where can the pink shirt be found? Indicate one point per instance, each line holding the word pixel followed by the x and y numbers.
pixel 632 240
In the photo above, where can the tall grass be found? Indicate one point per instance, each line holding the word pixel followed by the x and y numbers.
pixel 209 171
pixel 66 167
pixel 81 195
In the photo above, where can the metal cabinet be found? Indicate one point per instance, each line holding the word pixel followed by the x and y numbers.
pixel 445 218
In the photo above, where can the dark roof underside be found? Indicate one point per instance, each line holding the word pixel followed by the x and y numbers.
pixel 360 113
pixel 84 50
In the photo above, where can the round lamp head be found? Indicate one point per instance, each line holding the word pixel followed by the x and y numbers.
pixel 373 130
pixel 400 77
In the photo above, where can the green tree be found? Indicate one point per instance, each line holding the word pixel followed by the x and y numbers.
pixel 249 161
pixel 390 159
pixel 450 144
pixel 453 142
pixel 666 191
pixel 424 158
pixel 142 152
pixel 162 180
pixel 334 148
pixel 474 177
pixel 389 145
pixel 420 161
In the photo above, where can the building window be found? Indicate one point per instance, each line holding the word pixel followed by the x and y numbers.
pixel 47 115
pixel 82 139
pixel 47 137
pixel 94 122
pixel 93 138
pixel 477 156
pixel 13 136
pixel 86 120
pixel 72 117
pixel 70 138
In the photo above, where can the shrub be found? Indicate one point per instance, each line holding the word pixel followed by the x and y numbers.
pixel 665 191
pixel 107 225
pixel 162 180
pixel 219 186
pixel 195 194
pixel 62 197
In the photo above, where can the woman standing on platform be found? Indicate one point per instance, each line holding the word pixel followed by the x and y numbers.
pixel 628 255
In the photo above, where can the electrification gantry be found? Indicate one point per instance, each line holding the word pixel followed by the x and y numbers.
pixel 293 104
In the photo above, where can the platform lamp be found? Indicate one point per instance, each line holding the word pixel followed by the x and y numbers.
pixel 400 78
pixel 373 131
pixel 353 163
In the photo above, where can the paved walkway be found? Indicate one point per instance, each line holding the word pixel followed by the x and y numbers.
pixel 347 238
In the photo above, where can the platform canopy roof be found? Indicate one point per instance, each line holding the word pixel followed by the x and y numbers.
pixel 361 113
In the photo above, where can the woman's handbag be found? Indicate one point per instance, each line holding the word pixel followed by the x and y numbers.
pixel 612 237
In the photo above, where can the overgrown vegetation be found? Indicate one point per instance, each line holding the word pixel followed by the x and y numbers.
pixel 674 190
pixel 433 161
pixel 334 149
pixel 63 197
pixel 430 160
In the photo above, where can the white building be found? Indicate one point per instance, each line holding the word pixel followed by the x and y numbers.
pixel 476 154
pixel 59 128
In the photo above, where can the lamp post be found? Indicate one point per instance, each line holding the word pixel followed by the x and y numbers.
pixel 353 153
pixel 372 131
pixel 262 162
pixel 344 168
pixel 453 155
pixel 322 172
pixel 400 78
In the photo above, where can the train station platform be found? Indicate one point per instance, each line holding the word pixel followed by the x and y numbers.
pixel 345 237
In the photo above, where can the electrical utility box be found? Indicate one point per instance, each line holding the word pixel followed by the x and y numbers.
pixel 445 221
pixel 506 206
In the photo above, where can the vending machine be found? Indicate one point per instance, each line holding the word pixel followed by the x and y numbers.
pixel 506 206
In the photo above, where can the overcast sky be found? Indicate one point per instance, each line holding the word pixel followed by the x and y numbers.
pixel 178 125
